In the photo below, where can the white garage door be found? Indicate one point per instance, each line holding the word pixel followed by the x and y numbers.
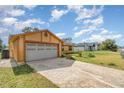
pixel 40 51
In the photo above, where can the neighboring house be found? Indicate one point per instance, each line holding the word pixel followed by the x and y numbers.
pixel 79 47
pixel 34 46
pixel 92 46
pixel 67 47
pixel 85 47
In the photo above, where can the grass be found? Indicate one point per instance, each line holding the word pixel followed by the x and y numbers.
pixel 23 77
pixel 104 58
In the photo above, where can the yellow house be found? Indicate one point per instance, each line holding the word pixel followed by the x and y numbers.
pixel 32 46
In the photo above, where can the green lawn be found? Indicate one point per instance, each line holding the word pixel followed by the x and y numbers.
pixel 104 58
pixel 23 77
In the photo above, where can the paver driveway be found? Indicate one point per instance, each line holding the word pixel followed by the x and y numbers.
pixel 67 73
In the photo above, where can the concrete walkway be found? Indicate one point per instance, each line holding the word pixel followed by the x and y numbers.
pixel 67 73
pixel 7 63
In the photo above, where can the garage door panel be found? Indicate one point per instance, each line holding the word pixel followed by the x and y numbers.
pixel 40 51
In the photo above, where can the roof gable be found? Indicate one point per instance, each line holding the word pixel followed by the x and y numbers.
pixel 14 37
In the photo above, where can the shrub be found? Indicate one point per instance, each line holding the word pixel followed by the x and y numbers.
pixel 91 55
pixel 112 64
pixel 102 63
pixel 63 55
pixel 70 57
pixel 80 54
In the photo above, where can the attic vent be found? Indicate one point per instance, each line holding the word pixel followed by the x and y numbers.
pixel 46 34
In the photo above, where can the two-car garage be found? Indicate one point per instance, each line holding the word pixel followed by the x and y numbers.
pixel 35 51
pixel 32 46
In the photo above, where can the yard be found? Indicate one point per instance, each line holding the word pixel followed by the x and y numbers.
pixel 104 58
pixel 23 77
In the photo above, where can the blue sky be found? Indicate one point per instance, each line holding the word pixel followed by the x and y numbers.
pixel 82 23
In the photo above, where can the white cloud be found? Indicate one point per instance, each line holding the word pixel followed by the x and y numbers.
pixel 87 21
pixel 103 35
pixel 100 38
pixel 57 14
pixel 20 25
pixel 104 31
pixel 29 22
pixel 97 21
pixel 9 20
pixel 94 23
pixel 81 11
pixel 3 30
pixel 82 32
pixel 60 34
pixel 85 13
pixel 75 28
pixel 91 25
pixel 116 36
pixel 91 18
pixel 75 8
pixel 30 6
pixel 16 12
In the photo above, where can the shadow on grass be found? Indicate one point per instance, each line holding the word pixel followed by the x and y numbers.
pixel 23 69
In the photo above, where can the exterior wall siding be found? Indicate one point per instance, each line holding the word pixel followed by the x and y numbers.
pixel 33 37
pixel 40 37
pixel 14 50
pixel 21 51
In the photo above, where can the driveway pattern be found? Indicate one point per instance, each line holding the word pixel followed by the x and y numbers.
pixel 74 74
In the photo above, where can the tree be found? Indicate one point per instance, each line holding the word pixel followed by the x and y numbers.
pixel 0 44
pixel 5 46
pixel 109 45
pixel 67 40
pixel 35 29
pixel 27 29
